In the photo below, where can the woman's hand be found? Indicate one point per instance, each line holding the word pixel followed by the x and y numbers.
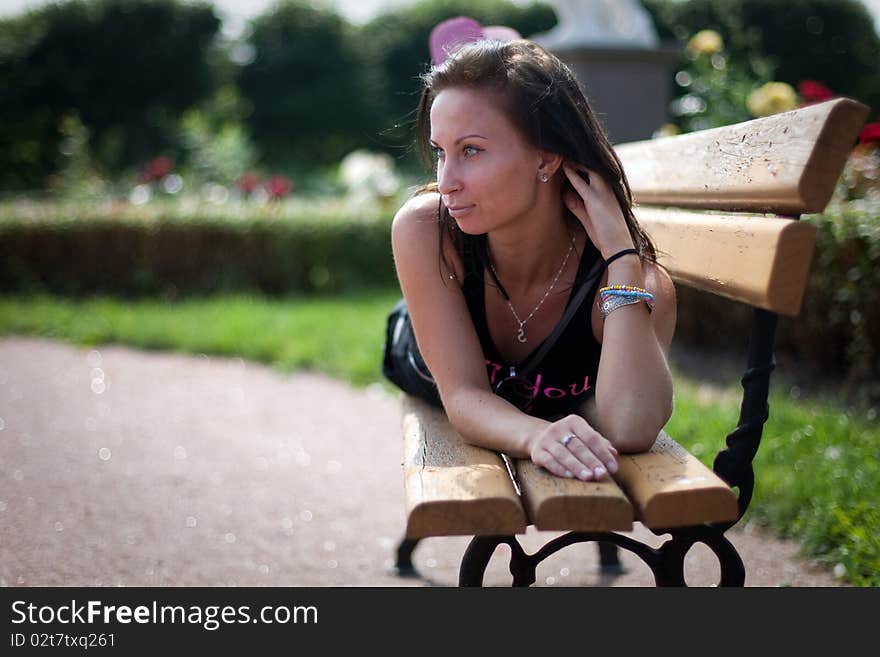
pixel 570 447
pixel 597 208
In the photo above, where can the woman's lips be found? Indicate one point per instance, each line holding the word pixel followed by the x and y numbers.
pixel 460 210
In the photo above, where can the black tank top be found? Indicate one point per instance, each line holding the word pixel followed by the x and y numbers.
pixel 566 376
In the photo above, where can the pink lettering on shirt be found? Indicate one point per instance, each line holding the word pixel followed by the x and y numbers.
pixel 529 389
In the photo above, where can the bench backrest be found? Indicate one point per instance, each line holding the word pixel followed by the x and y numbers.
pixel 782 166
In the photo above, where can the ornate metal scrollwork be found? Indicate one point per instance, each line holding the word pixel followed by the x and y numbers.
pixel 665 562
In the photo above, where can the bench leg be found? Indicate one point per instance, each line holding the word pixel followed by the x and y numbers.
pixel 479 552
pixel 403 565
pixel 669 568
pixel 609 559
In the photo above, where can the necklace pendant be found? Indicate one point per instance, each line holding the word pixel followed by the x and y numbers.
pixel 521 334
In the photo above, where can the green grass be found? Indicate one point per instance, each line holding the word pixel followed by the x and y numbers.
pixel 817 473
pixel 341 336
pixel 818 478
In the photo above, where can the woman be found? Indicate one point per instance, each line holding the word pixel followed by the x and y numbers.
pixel 529 198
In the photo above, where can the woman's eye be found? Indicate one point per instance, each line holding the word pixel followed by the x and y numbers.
pixel 467 151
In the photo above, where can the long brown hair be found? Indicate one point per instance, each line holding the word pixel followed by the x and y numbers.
pixel 541 96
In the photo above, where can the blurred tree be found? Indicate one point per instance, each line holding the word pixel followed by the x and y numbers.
pixel 396 43
pixel 311 96
pixel 215 140
pixel 831 41
pixel 126 67
pixel 76 179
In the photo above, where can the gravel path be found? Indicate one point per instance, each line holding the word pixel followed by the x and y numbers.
pixel 131 468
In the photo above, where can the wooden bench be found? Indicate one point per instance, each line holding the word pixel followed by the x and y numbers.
pixel 722 206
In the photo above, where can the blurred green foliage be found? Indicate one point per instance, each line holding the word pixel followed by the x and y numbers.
pixel 77 178
pixel 717 89
pixel 215 139
pixel 841 323
pixel 321 88
pixel 313 98
pixel 177 249
pixel 301 87
pixel 149 78
pixel 831 41
pixel 126 67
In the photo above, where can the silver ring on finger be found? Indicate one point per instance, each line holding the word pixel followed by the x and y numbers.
pixel 567 438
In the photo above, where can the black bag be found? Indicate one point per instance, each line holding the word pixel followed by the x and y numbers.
pixel 402 364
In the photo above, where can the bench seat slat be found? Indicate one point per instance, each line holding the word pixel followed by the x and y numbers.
pixel 670 487
pixel 759 260
pixel 554 503
pixel 787 163
pixel 453 488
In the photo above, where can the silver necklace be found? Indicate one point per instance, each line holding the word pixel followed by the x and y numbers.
pixel 521 333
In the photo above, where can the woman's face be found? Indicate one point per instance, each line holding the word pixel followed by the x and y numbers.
pixel 487 174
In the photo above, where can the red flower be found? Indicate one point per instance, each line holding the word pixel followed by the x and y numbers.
pixel 248 183
pixel 156 169
pixel 813 91
pixel 279 186
pixel 870 134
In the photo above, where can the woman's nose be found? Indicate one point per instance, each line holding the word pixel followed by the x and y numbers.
pixel 447 179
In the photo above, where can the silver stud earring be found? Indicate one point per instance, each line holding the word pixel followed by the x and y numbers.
pixel 544 177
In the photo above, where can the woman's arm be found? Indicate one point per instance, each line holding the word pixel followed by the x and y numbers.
pixel 446 337
pixel 449 344
pixel 633 385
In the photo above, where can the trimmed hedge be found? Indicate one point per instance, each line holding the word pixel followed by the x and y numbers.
pixel 161 251
pixel 139 252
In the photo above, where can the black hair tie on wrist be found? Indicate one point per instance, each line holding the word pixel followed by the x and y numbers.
pixel 620 254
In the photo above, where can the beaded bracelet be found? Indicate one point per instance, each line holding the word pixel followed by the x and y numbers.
pixel 612 303
pixel 616 296
pixel 640 295
pixel 623 288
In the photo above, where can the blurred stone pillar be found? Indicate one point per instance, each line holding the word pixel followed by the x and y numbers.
pixel 628 89
pixel 624 70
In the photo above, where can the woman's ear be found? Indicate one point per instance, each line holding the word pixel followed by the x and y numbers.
pixel 548 164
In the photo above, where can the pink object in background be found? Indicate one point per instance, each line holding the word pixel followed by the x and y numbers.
pixel 455 32
pixel 248 183
pixel 500 33
pixel 156 169
pixel 870 134
pixel 278 187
